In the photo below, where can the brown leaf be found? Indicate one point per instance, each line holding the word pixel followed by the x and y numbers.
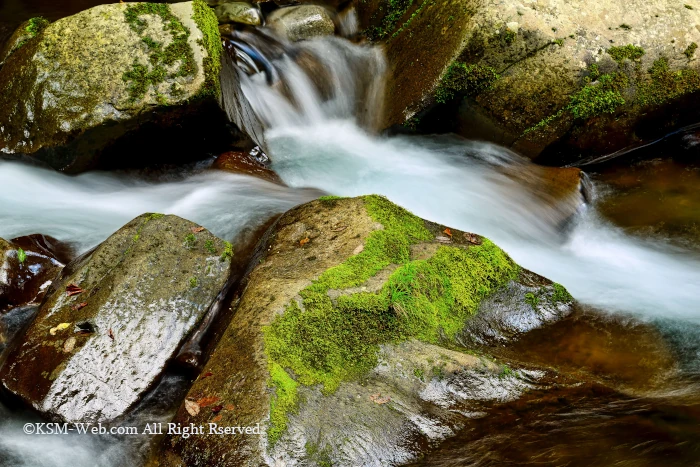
pixel 379 399
pixel 217 418
pixel 472 238
pixel 79 306
pixel 447 231
pixel 206 375
pixel 197 229
pixel 217 408
pixel 304 241
pixel 191 407
pixel 72 289
pixel 110 333
pixel 229 406
pixel 207 401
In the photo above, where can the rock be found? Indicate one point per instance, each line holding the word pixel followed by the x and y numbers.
pixel 28 265
pixel 238 12
pixel 242 162
pixel 553 79
pixel 109 74
pixel 26 31
pixel 301 22
pixel 338 347
pixel 114 318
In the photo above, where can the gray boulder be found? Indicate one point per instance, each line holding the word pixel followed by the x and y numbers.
pixel 115 317
pixel 301 22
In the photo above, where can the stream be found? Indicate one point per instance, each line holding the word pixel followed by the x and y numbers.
pixel 317 147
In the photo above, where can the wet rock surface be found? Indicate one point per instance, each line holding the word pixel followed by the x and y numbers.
pixel 553 79
pixel 114 318
pixel 238 12
pixel 381 395
pixel 27 267
pixel 296 23
pixel 242 162
pixel 141 68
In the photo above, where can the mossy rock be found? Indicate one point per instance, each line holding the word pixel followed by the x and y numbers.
pixel 114 317
pixel 348 290
pixel 534 76
pixel 83 82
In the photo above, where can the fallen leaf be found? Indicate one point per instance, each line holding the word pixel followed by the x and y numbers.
pixel 472 238
pixel 229 406
pixel 379 399
pixel 60 327
pixel 447 231
pixel 207 401
pixel 207 374
pixel 304 241
pixel 110 333
pixel 69 345
pixel 217 408
pixel 217 418
pixel 197 229
pixel 191 407
pixel 72 289
pixel 79 306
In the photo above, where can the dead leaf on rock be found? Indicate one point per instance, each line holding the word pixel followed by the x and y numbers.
pixel 217 408
pixel 60 327
pixel 447 231
pixel 229 406
pixel 379 399
pixel 304 241
pixel 79 306
pixel 217 418
pixel 206 375
pixel 69 345
pixel 191 407
pixel 472 238
pixel 207 401
pixel 72 289
pixel 197 229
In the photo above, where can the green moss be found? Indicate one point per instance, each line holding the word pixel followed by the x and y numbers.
pixel 193 282
pixel 283 402
pixel 206 21
pixel 410 19
pixel 627 52
pixel 228 252
pixel 462 78
pixel 190 241
pixel 36 25
pixel 329 200
pixel 209 246
pixel 690 51
pixel 532 299
pixel 142 77
pixel 689 7
pixel 21 256
pixel 326 343
pixel 560 294
pixel 664 85
pixel 509 36
pixel 396 9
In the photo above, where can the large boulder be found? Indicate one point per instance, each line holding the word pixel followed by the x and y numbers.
pixel 115 317
pixel 345 346
pixel 92 88
pixel 552 78
pixel 300 22
pixel 28 265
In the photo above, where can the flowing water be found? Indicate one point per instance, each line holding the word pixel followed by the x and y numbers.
pixel 316 102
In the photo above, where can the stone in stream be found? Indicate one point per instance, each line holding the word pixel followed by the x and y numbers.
pixel 301 22
pixel 27 267
pixel 238 12
pixel 109 83
pixel 344 346
pixel 554 79
pixel 243 163
pixel 115 316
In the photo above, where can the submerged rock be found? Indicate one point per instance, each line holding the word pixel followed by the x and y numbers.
pixel 238 12
pixel 27 267
pixel 555 79
pixel 114 318
pixel 113 72
pixel 301 22
pixel 344 348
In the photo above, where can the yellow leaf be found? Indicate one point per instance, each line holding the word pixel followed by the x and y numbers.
pixel 60 327
pixel 191 407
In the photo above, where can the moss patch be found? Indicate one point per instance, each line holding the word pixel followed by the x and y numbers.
pixel 33 27
pixel 206 21
pixel 627 52
pixel 462 78
pixel 690 51
pixel 396 9
pixel 142 77
pixel 322 342
pixel 664 85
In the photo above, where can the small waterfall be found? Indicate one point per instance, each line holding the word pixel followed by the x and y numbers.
pixel 269 83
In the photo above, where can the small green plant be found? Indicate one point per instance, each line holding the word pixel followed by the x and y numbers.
pixel 462 78
pixel 627 52
pixel 209 246
pixel 506 372
pixel 190 241
pixel 561 295
pixel 193 282
pixel 418 373
pixel 690 51
pixel 532 299
pixel 228 252
pixel 21 256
